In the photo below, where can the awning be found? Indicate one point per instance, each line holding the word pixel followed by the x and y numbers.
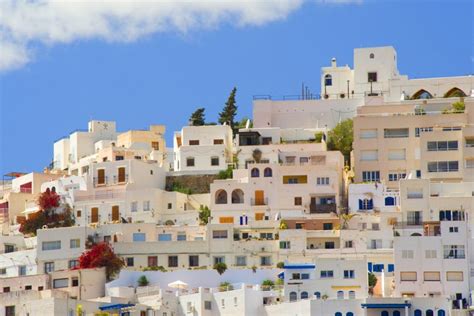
pixel 386 305
pixel 300 266
pixel 109 307
pixel 281 275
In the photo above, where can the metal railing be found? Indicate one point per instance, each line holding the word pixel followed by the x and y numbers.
pixel 322 208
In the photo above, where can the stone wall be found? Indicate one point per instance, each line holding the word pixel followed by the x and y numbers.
pixel 198 184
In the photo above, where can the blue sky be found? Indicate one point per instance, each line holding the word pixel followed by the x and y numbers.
pixel 161 77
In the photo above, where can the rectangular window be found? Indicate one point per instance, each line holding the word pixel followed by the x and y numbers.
pixel 442 145
pixel 134 206
pixel 368 133
pixel 322 181
pixel 370 176
pixel 396 175
pixel 193 142
pixel 397 154
pixel 219 234
pixel 372 77
pixel 74 282
pixel 208 305
pixel 73 264
pixel 130 261
pixel 414 193
pixel 348 244
pixel 369 155
pixel 326 274
pixel 414 218
pixel 419 130
pixel 173 261
pixel 443 166
pixel 152 261
pixel 60 283
pixel 454 252
pixel 430 254
pixel 155 145
pixel 240 261
pixel 396 133
pixel 298 201
pixel 266 261
pixel 431 276
pixel 51 245
pixel 10 310
pixel 454 276
pixel 284 244
pixel 3 271
pixel 329 245
pixel 327 226
pixel 139 237
pixel 408 276
pixel 349 274
pixel 214 161
pixel 164 237
pixel 22 270
pixel 48 267
pixel 219 259
pixel 194 261
pixel 74 243
pixel 146 206
pixel 295 179
pixel 190 162
pixel 218 141
pixel 181 236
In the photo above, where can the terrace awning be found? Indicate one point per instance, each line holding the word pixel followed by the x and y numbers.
pixel 386 305
pixel 109 307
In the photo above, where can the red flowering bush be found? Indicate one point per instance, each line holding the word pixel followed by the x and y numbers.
pixel 101 255
pixel 48 200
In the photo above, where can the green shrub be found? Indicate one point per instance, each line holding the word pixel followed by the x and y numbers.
pixel 220 267
pixel 225 286
pixel 143 281
pixel 267 285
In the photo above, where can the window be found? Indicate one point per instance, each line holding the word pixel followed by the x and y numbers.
pixel 443 166
pixel 340 295
pixel 74 282
pixel 208 305
pixel 453 229
pixel 173 261
pixel 430 254
pixel 442 145
pixel 22 270
pixel 328 80
pixel 396 132
pixel 78 213
pixel 218 141
pixel 73 264
pixel 448 215
pixel 155 145
pixel 348 244
pixel 396 154
pixel 352 296
pixel 190 162
pixel 298 200
pixel 396 175
pixel 267 236
pixel 408 276
pixel 48 267
pixel 193 142
pixel 221 197
pixel 454 276
pixel 293 296
pixel 219 234
pixel 375 226
pixel 181 236
pixel 378 267
pixel 451 128
pixel 322 181
pixel 419 130
pixel 255 173
pixel 28 287
pixel 194 261
pixel 130 261
pixel 267 172
pixel 304 295
pixel 10 310
pixel 326 274
pixel 370 176
pixel 327 226
pixel 317 295
pixel 414 218
pixel 284 244
pixel 138 237
pixel 349 274
pixel 371 56
pixel 414 193
pixel 375 244
pixel 329 245
pixel 152 261
pixel 3 271
pixel 295 179
pixel 60 283
pixel 214 161
pixel 240 261
pixel 389 201
pixel 237 196
pixel 372 77
pixel 51 245
pixel 164 237
pixel 431 276
pixel 74 243
pixel 9 248
pixel 454 252
pixel 369 155
pixel 134 206
pixel 146 206
pixel 170 206
pixel 366 204
pixel 368 133
pixel 219 259
pixel 266 261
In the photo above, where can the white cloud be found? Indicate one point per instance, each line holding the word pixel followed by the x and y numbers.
pixel 24 23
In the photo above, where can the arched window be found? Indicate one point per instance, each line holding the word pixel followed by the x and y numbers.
pixel 441 312
pixel 221 197
pixel 422 94
pixel 415 235
pixel 454 92
pixel 317 295
pixel 340 295
pixel 352 295
pixel 371 55
pixel 389 201
pixel 338 314
pixel 418 313
pixel 255 173
pixel 384 313
pixel 429 312
pixel 267 172
pixel 293 296
pixel 328 80
pixel 237 196
pixel 349 314
pixel 53 189
pixel 396 313
pixel 304 295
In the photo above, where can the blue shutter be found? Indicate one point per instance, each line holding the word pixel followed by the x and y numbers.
pixel 361 204
pixel 391 267
pixel 369 264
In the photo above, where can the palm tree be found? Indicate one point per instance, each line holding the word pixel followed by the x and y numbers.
pixel 345 219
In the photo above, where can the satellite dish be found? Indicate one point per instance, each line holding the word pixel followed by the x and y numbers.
pixel 247 125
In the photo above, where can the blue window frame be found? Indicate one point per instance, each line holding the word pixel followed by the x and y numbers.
pixel 377 267
pixel 305 276
pixel 369 266
pixel 418 312
pixel 389 201
pixel 396 313
pixel 164 237
pixel 304 295
pixel 139 237
pixel 327 274
pixel 391 267
pixel 384 313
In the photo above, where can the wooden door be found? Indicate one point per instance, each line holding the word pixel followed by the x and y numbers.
pixel 101 176
pixel 115 213
pixel 121 174
pixel 94 215
pixel 259 197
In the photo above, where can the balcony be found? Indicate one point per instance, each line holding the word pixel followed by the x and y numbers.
pixel 120 179
pixel 322 208
pixel 259 202
pixel 100 181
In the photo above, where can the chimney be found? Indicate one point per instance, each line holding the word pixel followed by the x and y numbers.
pixel 333 62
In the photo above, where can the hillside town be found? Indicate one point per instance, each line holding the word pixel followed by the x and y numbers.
pixel 358 200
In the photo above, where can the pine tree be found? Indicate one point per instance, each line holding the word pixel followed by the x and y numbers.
pixel 198 118
pixel 229 111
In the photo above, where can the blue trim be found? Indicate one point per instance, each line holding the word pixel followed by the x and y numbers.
pixel 281 275
pixel 114 306
pixel 299 266
pixel 386 305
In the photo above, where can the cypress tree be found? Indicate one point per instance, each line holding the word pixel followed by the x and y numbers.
pixel 198 118
pixel 229 111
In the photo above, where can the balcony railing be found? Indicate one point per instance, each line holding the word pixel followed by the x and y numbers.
pixel 120 180
pixel 322 208
pixel 257 202
pixel 100 181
